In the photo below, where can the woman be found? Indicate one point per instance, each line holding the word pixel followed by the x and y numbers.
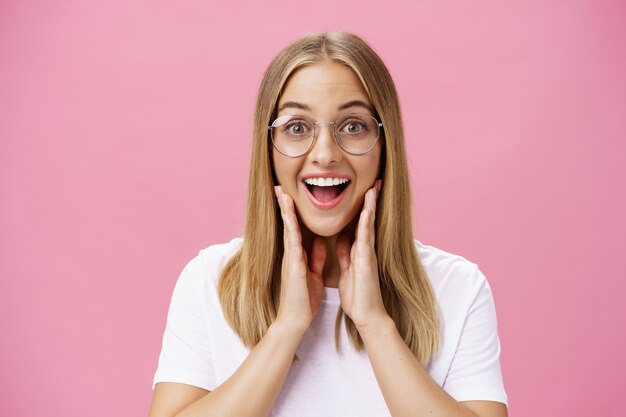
pixel 328 307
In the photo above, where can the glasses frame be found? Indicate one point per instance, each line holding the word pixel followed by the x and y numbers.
pixel 379 126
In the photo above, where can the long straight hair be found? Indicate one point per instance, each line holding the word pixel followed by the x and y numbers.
pixel 249 285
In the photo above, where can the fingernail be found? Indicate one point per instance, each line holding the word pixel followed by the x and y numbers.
pixel 379 185
pixel 276 190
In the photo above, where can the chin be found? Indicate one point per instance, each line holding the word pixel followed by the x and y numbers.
pixel 325 227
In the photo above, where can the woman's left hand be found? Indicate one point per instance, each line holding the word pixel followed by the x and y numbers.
pixel 359 286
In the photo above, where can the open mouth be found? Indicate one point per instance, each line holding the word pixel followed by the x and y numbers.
pixel 326 190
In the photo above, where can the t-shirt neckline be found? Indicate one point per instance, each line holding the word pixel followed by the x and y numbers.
pixel 331 295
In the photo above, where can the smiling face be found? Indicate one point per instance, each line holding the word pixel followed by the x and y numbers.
pixel 326 92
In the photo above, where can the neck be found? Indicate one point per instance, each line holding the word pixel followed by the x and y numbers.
pixel 331 266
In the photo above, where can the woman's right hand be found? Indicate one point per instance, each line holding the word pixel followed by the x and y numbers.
pixel 301 288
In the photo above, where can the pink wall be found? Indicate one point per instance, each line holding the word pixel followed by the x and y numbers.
pixel 124 145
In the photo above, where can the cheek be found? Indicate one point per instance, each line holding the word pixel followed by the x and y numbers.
pixel 285 169
pixel 369 166
pixel 377 160
pixel 279 165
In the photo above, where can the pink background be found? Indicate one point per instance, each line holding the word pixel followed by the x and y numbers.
pixel 124 146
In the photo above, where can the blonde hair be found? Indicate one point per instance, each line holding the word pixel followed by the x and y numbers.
pixel 249 284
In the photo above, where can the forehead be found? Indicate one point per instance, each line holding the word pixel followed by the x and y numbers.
pixel 322 86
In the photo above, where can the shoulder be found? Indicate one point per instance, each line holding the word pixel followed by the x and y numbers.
pixel 216 256
pixel 468 361
pixel 442 264
pixel 451 276
pixel 205 267
pixel 193 317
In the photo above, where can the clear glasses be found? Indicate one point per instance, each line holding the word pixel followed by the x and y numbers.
pixel 355 133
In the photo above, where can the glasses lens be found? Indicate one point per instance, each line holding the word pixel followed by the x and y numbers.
pixel 357 133
pixel 292 135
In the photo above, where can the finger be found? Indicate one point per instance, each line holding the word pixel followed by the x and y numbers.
pixel 291 233
pixel 278 190
pixel 378 185
pixel 292 230
pixel 343 253
pixel 370 199
pixel 318 256
pixel 362 233
pixel 370 205
pixel 372 219
pixel 366 203
pixel 304 258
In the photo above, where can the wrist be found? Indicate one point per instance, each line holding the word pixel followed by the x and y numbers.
pixel 376 327
pixel 285 329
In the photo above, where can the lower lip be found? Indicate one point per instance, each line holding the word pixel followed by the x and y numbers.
pixel 325 205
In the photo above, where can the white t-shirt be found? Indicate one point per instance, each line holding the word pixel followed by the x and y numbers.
pixel 201 349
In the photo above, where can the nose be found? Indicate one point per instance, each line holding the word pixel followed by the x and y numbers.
pixel 325 150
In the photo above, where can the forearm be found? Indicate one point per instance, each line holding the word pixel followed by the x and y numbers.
pixel 252 390
pixel 406 386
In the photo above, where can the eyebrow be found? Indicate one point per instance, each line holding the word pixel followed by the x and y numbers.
pixel 294 105
pixel 355 103
pixel 300 106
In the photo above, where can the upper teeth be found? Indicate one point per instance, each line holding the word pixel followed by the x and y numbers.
pixel 325 182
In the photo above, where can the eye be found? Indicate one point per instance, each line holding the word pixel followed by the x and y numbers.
pixel 296 128
pixel 353 126
pixel 293 127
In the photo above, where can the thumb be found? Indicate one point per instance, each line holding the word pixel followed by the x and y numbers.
pixel 343 253
pixel 318 256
